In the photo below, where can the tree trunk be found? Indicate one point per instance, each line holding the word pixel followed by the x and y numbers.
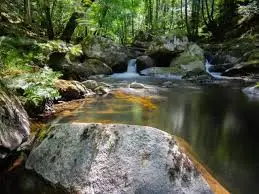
pixel 71 25
pixel 49 24
pixel 27 11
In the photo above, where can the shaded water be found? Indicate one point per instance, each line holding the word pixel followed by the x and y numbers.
pixel 220 124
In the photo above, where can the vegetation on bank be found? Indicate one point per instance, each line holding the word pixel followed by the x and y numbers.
pixel 33 30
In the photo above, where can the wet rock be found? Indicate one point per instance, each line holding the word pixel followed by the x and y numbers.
pixel 96 158
pixel 136 85
pixel 105 50
pixel 93 77
pixel 101 90
pixel 105 85
pixel 144 62
pixel 192 58
pixel 70 90
pixel 163 72
pixel 168 84
pixel 243 69
pixel 252 91
pixel 14 124
pixel 90 84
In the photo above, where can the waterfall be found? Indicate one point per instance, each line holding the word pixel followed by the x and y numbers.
pixel 131 71
pixel 132 66
pixel 216 75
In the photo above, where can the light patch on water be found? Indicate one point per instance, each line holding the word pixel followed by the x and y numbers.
pixel 144 101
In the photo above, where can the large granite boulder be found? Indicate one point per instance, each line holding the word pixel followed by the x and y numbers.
pixel 144 62
pixel 164 49
pixel 14 124
pixel 190 60
pixel 107 51
pixel 97 158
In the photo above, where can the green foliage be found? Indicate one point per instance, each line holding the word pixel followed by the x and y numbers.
pixel 61 47
pixel 17 55
pixel 37 86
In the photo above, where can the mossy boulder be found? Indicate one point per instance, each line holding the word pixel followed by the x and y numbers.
pixel 107 51
pixel 81 71
pixel 164 49
pixel 192 58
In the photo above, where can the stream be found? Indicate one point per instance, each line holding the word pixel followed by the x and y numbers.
pixel 219 123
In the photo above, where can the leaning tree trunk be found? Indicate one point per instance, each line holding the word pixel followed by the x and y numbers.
pixel 71 25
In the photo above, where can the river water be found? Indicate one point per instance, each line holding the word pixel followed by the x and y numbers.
pixel 221 124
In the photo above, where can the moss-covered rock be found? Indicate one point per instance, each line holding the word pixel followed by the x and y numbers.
pixel 164 49
pixel 107 51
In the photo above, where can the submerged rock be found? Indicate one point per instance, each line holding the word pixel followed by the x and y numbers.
pixel 101 90
pixel 14 124
pixel 96 158
pixel 136 85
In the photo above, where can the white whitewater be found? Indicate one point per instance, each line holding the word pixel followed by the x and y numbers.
pixel 130 73
pixel 218 75
pixel 213 74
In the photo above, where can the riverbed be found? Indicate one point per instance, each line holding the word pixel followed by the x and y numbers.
pixel 219 123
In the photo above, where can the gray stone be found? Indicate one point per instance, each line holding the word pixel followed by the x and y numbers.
pixel 136 85
pixel 96 158
pixel 252 91
pixel 101 90
pixel 90 84
pixel 106 50
pixel 70 90
pixel 144 62
pixel 14 124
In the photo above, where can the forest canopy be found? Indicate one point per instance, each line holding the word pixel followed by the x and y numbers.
pixel 121 20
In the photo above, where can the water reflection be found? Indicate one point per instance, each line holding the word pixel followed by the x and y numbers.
pixel 221 125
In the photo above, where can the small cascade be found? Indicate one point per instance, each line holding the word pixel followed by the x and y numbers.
pixel 216 75
pixel 130 73
pixel 132 66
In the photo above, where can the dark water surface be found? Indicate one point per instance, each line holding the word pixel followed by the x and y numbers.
pixel 221 125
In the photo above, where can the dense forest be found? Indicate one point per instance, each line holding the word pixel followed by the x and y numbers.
pixel 172 64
